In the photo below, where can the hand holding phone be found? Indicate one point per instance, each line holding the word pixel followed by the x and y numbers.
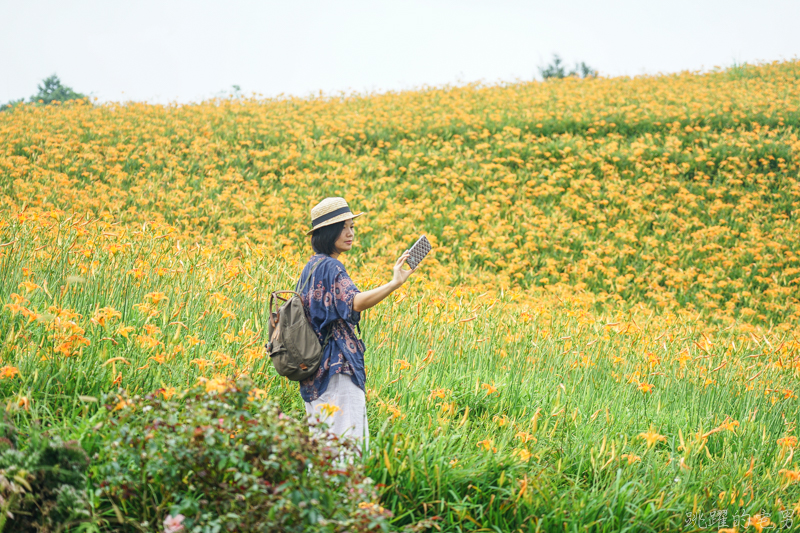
pixel 418 252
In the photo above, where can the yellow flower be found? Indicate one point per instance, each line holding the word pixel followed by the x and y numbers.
pixel 683 357
pixel 371 506
pixel 792 476
pixel 403 364
pixel 787 442
pixel 147 342
pixel 256 394
pixel 448 408
pixel 167 392
pixel 17 299
pixel 500 420
pixel 156 297
pixel 145 309
pixel 14 308
pixel 152 329
pixel 24 402
pixel 328 409
pixel 137 273
pixel 645 387
pixel 216 385
pixel 652 437
pixel 524 436
pixel 396 413
pixel 759 522
pixel 121 403
pixel 8 372
pixel 218 298
pixel 523 454
pixel 631 458
pixel 202 363
pixel 114 248
pixel 487 445
pixel 28 286
pixel 490 389
pixel 105 315
pixel 222 359
pixel 124 330
pixel 71 344
pixel 438 393
pixel 194 340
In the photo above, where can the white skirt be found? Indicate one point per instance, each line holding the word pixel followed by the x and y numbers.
pixel 350 419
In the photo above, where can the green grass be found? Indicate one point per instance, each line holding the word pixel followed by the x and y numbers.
pixel 552 365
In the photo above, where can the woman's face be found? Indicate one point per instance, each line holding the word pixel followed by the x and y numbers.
pixel 345 240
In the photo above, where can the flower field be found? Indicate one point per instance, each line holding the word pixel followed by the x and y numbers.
pixel 605 337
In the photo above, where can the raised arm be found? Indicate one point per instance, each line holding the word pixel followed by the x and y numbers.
pixel 365 300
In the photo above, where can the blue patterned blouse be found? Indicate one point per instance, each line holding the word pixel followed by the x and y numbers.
pixel 328 298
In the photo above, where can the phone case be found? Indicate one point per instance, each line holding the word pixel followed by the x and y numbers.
pixel 418 252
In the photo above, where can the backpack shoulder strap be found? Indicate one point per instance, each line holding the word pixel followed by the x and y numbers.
pixel 308 279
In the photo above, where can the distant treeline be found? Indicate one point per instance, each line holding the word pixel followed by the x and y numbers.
pixel 557 69
pixel 51 90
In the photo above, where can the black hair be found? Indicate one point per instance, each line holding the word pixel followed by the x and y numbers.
pixel 323 240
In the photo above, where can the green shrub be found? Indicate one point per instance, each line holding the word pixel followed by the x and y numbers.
pixel 218 458
pixel 42 486
pixel 51 90
pixel 557 69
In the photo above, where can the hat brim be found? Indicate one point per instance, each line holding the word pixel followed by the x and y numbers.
pixel 334 220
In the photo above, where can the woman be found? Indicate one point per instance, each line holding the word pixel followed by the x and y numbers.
pixel 336 393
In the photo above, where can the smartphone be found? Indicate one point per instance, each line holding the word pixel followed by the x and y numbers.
pixel 418 252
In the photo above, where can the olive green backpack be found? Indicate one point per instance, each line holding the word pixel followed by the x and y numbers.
pixel 293 345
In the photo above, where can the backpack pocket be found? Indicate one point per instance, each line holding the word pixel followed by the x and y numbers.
pixel 303 346
pixel 284 364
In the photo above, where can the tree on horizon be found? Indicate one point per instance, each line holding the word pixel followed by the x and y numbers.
pixel 557 69
pixel 50 90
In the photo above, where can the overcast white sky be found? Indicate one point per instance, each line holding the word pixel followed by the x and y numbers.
pixel 181 50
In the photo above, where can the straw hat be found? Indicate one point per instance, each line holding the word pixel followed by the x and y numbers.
pixel 330 211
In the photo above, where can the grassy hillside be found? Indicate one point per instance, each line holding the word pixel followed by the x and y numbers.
pixel 675 190
pixel 605 337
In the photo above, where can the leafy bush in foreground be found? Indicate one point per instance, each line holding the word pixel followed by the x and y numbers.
pixel 224 460
pixel 42 487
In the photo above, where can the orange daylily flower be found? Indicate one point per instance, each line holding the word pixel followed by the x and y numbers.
pixel 651 437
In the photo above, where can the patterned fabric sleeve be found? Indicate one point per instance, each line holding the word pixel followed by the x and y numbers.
pixel 344 291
